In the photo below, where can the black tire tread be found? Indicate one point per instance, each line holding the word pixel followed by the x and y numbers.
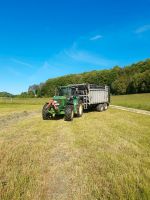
pixel 105 106
pixel 45 114
pixel 99 106
pixel 68 112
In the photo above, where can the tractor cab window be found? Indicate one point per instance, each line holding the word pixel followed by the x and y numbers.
pixel 68 91
pixel 65 91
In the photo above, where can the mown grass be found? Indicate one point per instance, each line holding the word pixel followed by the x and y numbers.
pixel 10 105
pixel 6 109
pixel 139 101
pixel 116 150
pixel 99 156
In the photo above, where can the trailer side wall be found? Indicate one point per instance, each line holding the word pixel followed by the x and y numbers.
pixel 97 96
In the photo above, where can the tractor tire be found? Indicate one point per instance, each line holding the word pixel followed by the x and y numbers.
pixel 100 107
pixel 105 106
pixel 69 113
pixel 45 114
pixel 79 110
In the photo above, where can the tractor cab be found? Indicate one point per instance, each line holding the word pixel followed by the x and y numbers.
pixel 67 91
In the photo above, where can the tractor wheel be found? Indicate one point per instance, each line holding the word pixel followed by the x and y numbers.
pixel 100 107
pixel 105 106
pixel 80 110
pixel 69 113
pixel 45 114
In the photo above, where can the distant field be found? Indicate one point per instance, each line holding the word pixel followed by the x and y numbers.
pixel 99 156
pixel 140 101
pixel 32 101
pixel 6 100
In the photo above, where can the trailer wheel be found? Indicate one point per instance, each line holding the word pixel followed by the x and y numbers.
pixel 45 114
pixel 105 106
pixel 80 110
pixel 100 107
pixel 69 113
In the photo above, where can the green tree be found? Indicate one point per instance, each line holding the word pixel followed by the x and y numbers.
pixel 120 85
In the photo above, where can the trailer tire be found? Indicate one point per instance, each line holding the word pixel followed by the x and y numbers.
pixel 69 113
pixel 105 106
pixel 80 109
pixel 100 107
pixel 45 114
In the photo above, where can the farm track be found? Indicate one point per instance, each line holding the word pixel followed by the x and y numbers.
pixel 139 111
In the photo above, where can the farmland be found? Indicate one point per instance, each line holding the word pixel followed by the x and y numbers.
pixel 139 101
pixel 99 156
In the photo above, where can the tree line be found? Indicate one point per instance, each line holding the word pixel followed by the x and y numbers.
pixel 127 80
pixel 5 94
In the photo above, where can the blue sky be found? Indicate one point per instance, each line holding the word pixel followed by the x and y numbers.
pixel 41 39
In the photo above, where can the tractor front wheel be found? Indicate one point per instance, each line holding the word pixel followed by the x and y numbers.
pixel 69 113
pixel 45 114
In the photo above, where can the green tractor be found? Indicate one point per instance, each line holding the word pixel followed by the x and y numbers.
pixel 66 103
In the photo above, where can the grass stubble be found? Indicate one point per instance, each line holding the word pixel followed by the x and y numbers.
pixel 99 156
pixel 139 101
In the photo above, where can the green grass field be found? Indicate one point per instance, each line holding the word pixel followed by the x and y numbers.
pixel 99 156
pixel 28 101
pixel 140 101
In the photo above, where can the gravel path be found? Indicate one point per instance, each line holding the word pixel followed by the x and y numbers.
pixel 144 112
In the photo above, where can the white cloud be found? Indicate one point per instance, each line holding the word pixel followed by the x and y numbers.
pixel 46 70
pixel 21 62
pixel 68 61
pixel 142 29
pixel 73 59
pixel 96 37
pixel 86 57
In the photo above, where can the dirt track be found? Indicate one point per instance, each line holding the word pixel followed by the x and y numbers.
pixel 144 112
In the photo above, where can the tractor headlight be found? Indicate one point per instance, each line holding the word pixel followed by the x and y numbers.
pixel 56 103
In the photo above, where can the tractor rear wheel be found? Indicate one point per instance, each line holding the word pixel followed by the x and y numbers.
pixel 100 107
pixel 80 110
pixel 45 114
pixel 69 113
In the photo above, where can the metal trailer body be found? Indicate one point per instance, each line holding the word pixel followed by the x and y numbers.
pixel 92 95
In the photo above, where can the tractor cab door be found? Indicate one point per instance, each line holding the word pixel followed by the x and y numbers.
pixel 74 91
